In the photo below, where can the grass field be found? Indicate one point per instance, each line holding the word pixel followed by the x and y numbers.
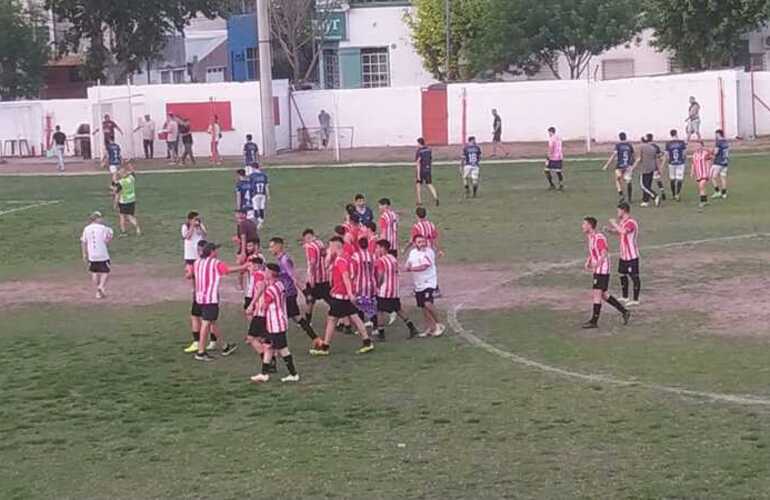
pixel 100 402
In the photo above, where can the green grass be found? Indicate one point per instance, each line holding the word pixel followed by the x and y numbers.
pixel 99 402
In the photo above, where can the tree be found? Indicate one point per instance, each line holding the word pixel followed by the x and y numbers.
pixel 23 50
pixel 703 33
pixel 127 33
pixel 427 22
pixel 525 34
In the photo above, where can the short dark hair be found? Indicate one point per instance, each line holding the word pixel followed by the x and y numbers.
pixel 384 244
pixel 339 230
pixel 622 136
pixel 471 139
pixel 673 132
pixel 308 231
pixel 192 214
pixel 363 243
pixel 384 201
pixel 421 141
pixel 241 171
pixel 648 137
pixel 552 130
pixel 277 240
pixel 371 226
pixel 359 196
pixel 350 208
pixel 249 137
pixel 720 132
pixel 256 259
pixel 202 243
pixel 624 206
pixel 591 221
pixel 274 267
pixel 336 239
pixel 421 212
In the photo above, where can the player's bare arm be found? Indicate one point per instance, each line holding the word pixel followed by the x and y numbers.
pixel 612 157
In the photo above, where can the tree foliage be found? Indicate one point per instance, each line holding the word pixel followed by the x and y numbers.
pixel 523 35
pixel 127 32
pixel 23 50
pixel 427 23
pixel 703 33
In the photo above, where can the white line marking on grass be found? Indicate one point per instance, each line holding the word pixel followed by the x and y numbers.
pixel 28 207
pixel 475 341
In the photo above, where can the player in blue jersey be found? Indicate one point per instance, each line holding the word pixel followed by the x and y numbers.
pixel 470 166
pixel 423 160
pixel 624 154
pixel 260 193
pixel 676 157
pixel 113 158
pixel 243 194
pixel 719 167
pixel 250 155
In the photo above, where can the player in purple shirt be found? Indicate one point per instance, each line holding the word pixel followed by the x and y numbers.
pixel 289 280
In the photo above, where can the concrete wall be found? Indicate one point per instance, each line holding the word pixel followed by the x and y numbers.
pixel 26 119
pixel 385 27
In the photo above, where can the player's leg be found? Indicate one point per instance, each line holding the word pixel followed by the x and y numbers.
pixel 624 282
pixel 467 180
pixel 608 298
pixel 418 192
pixel 102 282
pixel 659 181
pixel 433 192
pixel 122 223
pixel 475 180
pixel 293 311
pixel 634 271
pixel 715 181
pixel 267 361
pixel 436 329
pixel 204 338
pixel 596 300
pixel 358 323
pixel 409 325
pixel 288 360
pixel 331 327
pixel 723 179
pixel 619 183
pixel 549 178
pixel 702 192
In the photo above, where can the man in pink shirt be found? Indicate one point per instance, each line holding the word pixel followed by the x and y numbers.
pixel 553 164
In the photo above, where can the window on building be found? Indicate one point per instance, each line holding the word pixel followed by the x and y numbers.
pixel 215 74
pixel 375 68
pixel 331 69
pixel 178 76
pixel 252 67
pixel 75 75
pixel 165 76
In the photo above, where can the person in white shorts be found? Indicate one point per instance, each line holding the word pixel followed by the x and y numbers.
pixel 421 262
pixel 676 157
pixel 93 245
pixel 470 167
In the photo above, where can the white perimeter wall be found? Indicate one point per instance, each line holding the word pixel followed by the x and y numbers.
pixel 26 119
pixel 380 117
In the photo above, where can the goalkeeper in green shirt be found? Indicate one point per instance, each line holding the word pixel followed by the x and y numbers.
pixel 124 196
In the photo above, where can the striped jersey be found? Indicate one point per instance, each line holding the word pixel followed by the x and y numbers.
pixel 339 270
pixel 629 244
pixel 555 152
pixel 315 254
pixel 386 269
pixel 275 308
pixel 598 253
pixel 257 279
pixel 248 289
pixel 389 228
pixel 701 164
pixel 364 280
pixel 208 273
pixel 427 230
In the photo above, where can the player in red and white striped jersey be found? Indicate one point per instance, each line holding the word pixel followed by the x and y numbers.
pixel 195 310
pixel 341 302
pixel 389 225
pixel 388 298
pixel 627 229
pixel 317 274
pixel 364 281
pixel 256 309
pixel 426 229
pixel 701 170
pixel 277 323
pixel 208 271
pixel 598 262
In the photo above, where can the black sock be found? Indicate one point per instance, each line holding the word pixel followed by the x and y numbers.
pixel 704 198
pixel 550 178
pixel 560 176
pixel 614 303
pixel 630 190
pixel 375 322
pixel 381 332
pixel 265 367
pixel 637 285
pixel 467 188
pixel 409 325
pixel 597 312
pixel 624 285
pixel 679 187
pixel 289 360
pixel 214 337
pixel 475 189
pixel 196 336
pixel 673 188
pixel 724 191
pixel 303 323
pixel 620 194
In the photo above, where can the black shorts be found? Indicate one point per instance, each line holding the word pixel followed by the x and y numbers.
pixel 425 296
pixel 426 177
pixel 292 308
pixel 277 341
pixel 258 327
pixel 320 291
pixel 209 312
pixel 102 266
pixel 189 262
pixel 127 208
pixel 339 308
pixel 388 305
pixel 554 165
pixel 497 135
pixel 195 310
pixel 246 302
pixel 628 266
pixel 601 282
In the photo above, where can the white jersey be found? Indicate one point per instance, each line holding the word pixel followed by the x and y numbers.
pixel 97 236
pixel 191 243
pixel 427 278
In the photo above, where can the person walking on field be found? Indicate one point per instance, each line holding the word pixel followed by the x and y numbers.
pixel 497 134
pixel 59 146
pixel 325 120
pixel 215 134
pixel 554 163
pixel 93 246
pixel 147 126
pixel 124 194
pixel 423 159
pixel 693 120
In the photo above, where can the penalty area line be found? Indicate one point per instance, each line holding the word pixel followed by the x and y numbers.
pixel 29 207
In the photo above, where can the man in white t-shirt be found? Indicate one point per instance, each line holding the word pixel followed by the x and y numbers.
pixel 147 126
pixel 93 244
pixel 421 262
pixel 193 231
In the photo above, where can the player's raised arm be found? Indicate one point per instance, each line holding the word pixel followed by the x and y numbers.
pixel 612 157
